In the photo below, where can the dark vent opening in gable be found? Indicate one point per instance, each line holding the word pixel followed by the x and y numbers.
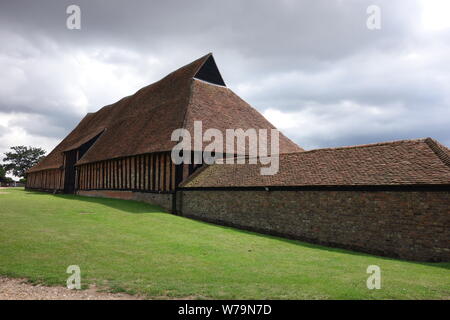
pixel 86 146
pixel 210 73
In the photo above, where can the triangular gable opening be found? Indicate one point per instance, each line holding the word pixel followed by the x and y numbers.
pixel 209 72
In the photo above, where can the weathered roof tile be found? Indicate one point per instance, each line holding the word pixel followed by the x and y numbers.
pixel 406 162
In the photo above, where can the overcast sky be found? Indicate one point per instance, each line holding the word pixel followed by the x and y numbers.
pixel 313 68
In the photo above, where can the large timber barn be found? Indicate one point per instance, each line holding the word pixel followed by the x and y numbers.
pixel 389 198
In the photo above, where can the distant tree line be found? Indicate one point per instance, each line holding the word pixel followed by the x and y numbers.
pixel 18 161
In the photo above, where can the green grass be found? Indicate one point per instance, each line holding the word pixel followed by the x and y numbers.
pixel 137 248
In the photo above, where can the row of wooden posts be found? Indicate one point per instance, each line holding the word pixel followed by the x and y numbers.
pixel 148 172
pixel 52 179
pixel 151 172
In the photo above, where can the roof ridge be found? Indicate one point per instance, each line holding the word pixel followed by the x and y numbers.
pixel 274 127
pixel 204 58
pixel 133 95
pixel 191 85
pixel 369 145
pixel 439 150
pixel 191 90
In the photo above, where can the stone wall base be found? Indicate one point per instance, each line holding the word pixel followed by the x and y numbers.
pixel 54 191
pixel 412 225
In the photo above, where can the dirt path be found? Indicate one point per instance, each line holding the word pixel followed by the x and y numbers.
pixel 3 192
pixel 19 289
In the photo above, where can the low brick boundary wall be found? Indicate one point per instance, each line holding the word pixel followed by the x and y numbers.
pixel 54 191
pixel 413 225
pixel 163 200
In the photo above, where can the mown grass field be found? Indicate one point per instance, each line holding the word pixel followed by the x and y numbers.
pixel 137 248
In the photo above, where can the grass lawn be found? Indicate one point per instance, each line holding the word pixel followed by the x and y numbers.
pixel 137 248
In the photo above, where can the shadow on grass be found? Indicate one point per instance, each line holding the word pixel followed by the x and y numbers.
pixel 136 207
pixel 130 206
pixel 333 249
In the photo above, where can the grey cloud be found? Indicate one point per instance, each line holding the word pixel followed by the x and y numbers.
pixel 3 129
pixel 45 126
pixel 260 29
pixel 307 57
pixel 360 137
pixel 336 125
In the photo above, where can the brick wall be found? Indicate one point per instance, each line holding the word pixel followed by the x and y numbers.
pixel 413 225
pixel 163 200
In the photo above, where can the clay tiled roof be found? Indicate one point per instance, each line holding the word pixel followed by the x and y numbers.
pixel 219 107
pixel 406 162
pixel 143 123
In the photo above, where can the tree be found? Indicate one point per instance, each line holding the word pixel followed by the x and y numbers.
pixel 22 158
pixel 2 174
pixel 3 177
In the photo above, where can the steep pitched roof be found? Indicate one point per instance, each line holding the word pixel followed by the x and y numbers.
pixel 143 123
pixel 219 107
pixel 406 162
